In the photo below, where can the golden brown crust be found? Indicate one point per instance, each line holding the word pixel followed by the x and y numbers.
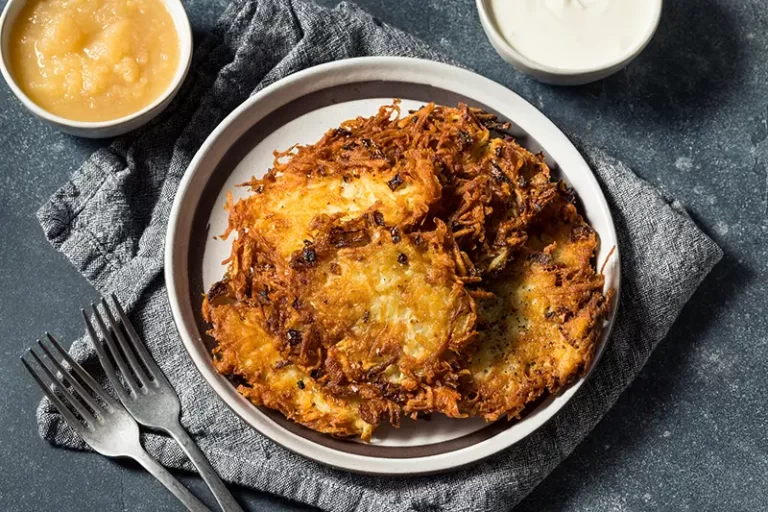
pixel 539 330
pixel 247 351
pixel 392 315
pixel 384 317
pixel 362 263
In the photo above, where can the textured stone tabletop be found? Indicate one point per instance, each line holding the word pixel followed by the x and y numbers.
pixel 690 116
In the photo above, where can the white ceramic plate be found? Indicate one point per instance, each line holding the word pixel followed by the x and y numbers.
pixel 300 109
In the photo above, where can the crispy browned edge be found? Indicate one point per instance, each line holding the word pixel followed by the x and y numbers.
pixel 490 192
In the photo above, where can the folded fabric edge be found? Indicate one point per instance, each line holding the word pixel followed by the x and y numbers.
pixel 567 449
pixel 292 485
pixel 315 492
pixel 59 223
pixel 62 434
pixel 593 155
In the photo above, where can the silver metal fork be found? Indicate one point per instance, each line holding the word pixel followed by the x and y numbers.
pixel 146 392
pixel 104 424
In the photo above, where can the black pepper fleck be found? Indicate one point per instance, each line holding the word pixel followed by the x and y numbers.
pixel 294 337
pixel 465 138
pixel 309 255
pixel 395 182
pixel 402 259
pixel 498 174
pixel 341 132
pixel 300 384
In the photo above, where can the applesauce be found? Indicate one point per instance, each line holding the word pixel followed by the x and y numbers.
pixel 94 60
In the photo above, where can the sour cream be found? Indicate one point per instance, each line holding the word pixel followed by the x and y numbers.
pixel 574 35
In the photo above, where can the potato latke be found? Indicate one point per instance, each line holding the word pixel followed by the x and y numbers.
pixel 406 265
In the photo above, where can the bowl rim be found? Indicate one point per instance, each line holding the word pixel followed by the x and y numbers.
pixel 461 81
pixel 500 44
pixel 180 19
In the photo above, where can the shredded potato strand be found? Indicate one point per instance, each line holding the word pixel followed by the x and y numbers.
pixel 406 264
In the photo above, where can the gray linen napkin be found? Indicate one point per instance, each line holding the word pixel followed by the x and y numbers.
pixel 110 221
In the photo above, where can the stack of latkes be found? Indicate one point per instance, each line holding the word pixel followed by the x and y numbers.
pixel 406 265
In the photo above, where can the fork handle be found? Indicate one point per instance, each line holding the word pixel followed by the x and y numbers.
pixel 198 458
pixel 169 481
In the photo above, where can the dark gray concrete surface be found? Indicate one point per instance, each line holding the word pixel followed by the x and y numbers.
pixel 690 115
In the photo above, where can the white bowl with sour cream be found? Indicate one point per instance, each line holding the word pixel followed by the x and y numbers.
pixel 569 42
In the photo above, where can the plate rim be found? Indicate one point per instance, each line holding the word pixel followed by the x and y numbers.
pixel 354 70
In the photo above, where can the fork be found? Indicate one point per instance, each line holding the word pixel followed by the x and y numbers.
pixel 145 391
pixel 103 424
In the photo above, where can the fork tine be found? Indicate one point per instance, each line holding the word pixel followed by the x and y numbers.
pixel 141 349
pixel 104 358
pixel 77 404
pixel 96 388
pixel 130 354
pixel 117 355
pixel 85 395
pixel 73 421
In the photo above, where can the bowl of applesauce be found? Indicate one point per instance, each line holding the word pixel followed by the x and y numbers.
pixel 95 68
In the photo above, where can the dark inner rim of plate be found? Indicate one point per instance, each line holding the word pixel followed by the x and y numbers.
pixel 249 140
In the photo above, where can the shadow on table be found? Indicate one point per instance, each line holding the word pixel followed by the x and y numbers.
pixel 647 395
pixel 694 58
pixel 249 499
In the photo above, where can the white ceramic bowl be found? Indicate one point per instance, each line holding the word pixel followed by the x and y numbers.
pixel 113 127
pixel 556 76
pixel 299 109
